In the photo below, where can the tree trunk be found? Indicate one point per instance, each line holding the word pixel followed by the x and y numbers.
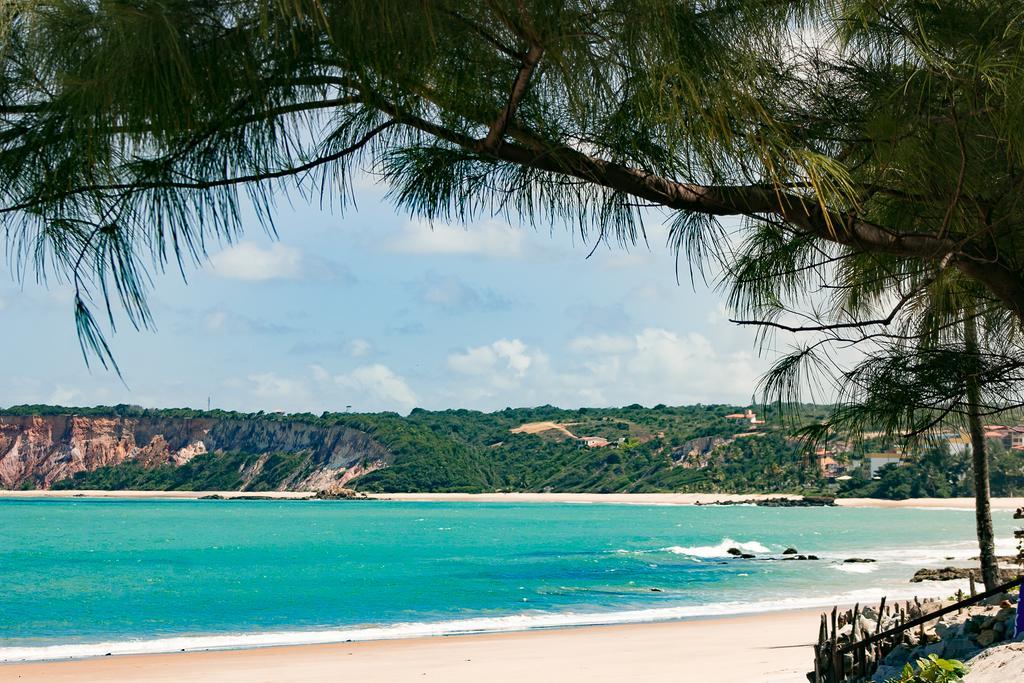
pixel 979 455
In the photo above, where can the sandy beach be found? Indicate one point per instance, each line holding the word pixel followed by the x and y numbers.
pixel 612 498
pixel 772 648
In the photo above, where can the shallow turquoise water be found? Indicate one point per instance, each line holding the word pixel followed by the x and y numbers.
pixel 102 571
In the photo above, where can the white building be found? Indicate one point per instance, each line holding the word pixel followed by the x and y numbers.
pixel 877 461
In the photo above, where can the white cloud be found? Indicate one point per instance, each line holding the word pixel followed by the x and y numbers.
pixel 490 238
pixel 367 388
pixel 222 321
pixel 601 343
pixel 656 365
pixel 62 396
pixel 279 393
pixel 453 295
pixel 501 359
pixel 250 262
pixel 376 387
pixel 652 366
pixel 359 347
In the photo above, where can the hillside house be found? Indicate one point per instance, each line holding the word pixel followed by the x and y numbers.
pixel 593 441
pixel 747 416
pixel 877 461
pixel 1011 437
pixel 827 465
pixel 958 442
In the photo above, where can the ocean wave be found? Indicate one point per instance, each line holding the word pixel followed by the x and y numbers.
pixel 515 622
pixel 856 567
pixel 720 550
pixel 965 551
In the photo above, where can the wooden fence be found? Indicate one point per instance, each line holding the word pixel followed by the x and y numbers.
pixel 835 662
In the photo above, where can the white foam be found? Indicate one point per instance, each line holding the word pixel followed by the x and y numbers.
pixel 518 622
pixel 856 567
pixel 964 551
pixel 720 550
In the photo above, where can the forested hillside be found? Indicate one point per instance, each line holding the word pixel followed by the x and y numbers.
pixel 664 448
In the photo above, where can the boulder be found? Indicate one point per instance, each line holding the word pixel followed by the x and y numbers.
pixel 340 493
pixel 858 559
pixel 900 655
pixel 734 551
pixel 747 556
pixel 789 551
pixel 951 573
pixel 960 648
pixel 1006 614
pixel 997 665
pixel 885 672
pixel 986 637
pixel 973 625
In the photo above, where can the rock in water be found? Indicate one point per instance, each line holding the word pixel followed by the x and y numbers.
pixel 734 551
pixel 858 559
pixel 789 551
pixel 951 573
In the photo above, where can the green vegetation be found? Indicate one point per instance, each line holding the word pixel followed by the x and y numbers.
pixel 464 450
pixel 206 472
pixel 664 448
pixel 935 473
pixel 938 473
pixel 474 451
pixel 932 670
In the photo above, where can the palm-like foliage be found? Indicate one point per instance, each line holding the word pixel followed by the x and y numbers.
pixel 872 152
pixel 850 133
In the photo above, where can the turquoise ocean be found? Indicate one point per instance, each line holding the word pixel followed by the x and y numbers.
pixel 86 577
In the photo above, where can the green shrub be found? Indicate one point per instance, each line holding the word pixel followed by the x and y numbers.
pixel 932 670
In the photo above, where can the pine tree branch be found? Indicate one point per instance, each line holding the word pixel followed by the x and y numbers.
pixel 519 87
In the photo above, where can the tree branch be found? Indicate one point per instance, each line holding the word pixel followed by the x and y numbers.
pixel 236 180
pixel 835 326
pixel 519 86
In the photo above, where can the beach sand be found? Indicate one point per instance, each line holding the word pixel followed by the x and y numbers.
pixel 771 648
pixel 616 498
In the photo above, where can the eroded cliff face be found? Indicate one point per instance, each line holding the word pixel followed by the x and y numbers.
pixel 44 449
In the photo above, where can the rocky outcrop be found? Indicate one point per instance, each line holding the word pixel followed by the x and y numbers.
pixel 997 665
pixel 45 449
pixel 695 453
pixel 40 450
pixel 781 501
pixel 962 637
pixel 953 573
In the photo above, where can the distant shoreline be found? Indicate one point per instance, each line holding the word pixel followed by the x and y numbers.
pixel 591 498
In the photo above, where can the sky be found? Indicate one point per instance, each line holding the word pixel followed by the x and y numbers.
pixel 370 310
